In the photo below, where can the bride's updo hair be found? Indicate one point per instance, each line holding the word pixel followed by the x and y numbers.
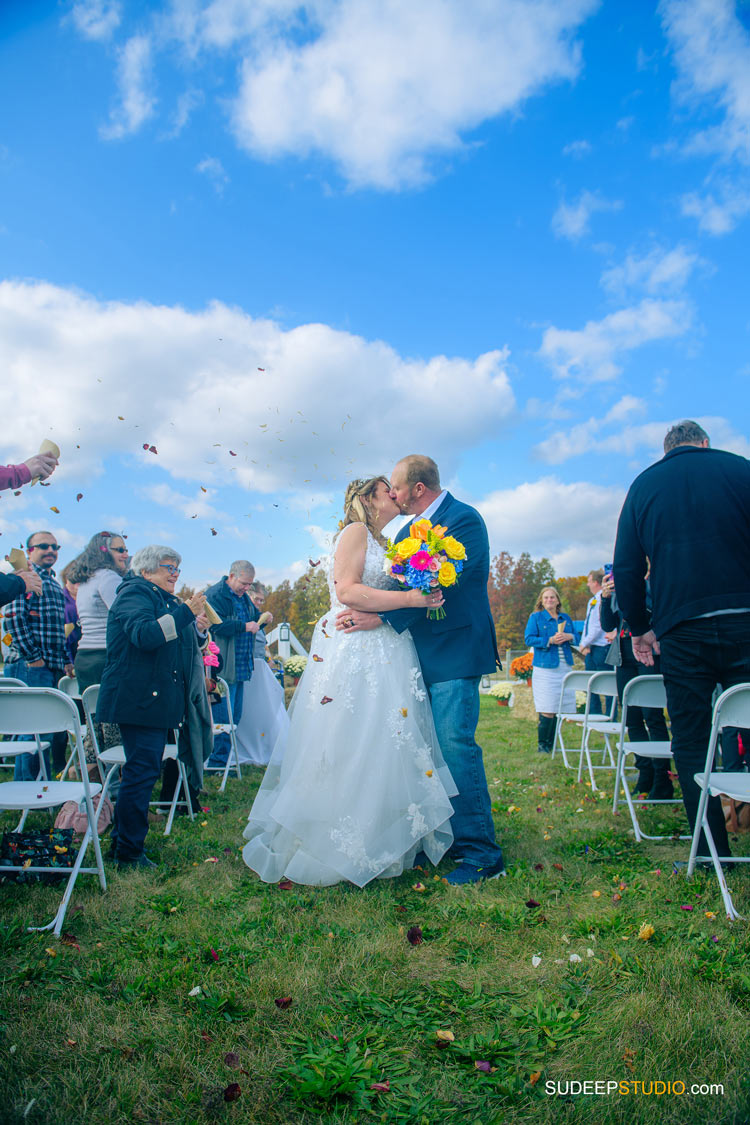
pixel 355 508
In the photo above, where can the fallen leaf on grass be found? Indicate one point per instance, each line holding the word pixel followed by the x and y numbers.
pixel 232 1092
pixel 539 867
pixel 536 961
pixel 382 1087
pixel 232 1059
pixel 444 1037
pixel 213 954
pixel 557 866
pixel 532 903
pixel 285 885
pixel 646 932
pixel 686 906
pixel 534 1078
pixel 211 859
pixel 206 1037
pixel 485 1066
pixel 283 1002
pixel 419 887
pixel 414 935
pixel 71 939
pixel 51 952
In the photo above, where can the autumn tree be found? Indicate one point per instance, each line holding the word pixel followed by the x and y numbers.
pixel 574 595
pixel 513 588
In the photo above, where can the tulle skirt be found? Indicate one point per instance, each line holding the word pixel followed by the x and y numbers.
pixel 357 785
pixel 264 717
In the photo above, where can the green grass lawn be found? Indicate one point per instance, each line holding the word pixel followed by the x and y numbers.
pixel 178 991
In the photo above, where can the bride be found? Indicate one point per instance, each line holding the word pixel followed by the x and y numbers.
pixel 357 786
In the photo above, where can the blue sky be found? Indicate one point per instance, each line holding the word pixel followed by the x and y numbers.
pixel 512 234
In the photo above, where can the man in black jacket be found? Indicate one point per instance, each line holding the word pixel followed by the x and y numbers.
pixel 239 621
pixel 690 515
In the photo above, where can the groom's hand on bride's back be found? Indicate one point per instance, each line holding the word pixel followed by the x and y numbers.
pixel 355 620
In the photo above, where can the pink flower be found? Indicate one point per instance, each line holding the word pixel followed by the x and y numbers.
pixel 434 565
pixel 420 561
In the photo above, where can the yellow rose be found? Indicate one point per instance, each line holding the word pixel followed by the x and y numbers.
pixel 453 549
pixel 408 547
pixel 447 574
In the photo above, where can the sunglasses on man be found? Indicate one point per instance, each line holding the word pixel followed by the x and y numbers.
pixel 44 547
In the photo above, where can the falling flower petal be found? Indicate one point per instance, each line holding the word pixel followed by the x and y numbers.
pixel 79 496
pixel 317 659
pixel 484 1066
pixel 283 1002
pixel 214 531
pixel 327 699
pixel 152 449
pixel 55 510
pixel 686 907
pixel 404 711
pixel 414 935
pixel 428 773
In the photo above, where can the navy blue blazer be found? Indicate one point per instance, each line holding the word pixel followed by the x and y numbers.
pixel 463 644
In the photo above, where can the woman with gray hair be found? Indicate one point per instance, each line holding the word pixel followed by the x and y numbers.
pixel 147 684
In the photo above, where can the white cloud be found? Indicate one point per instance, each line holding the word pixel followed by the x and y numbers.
pixel 136 103
pixel 96 19
pixel 591 354
pixel 577 149
pixel 658 271
pixel 381 89
pixel 187 103
pixel 571 524
pixel 199 504
pixel 225 398
pixel 213 169
pixel 644 441
pixel 712 54
pixel 572 220
pixel 717 215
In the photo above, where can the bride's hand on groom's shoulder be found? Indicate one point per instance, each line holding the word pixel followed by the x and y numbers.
pixel 355 620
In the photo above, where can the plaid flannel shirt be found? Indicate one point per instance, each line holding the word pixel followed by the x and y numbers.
pixel 37 623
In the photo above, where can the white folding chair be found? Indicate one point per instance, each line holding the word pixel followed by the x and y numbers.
pixel 229 728
pixel 111 761
pixel 573 681
pixel 732 709
pixel 69 684
pixel 21 711
pixel 14 749
pixel 643 691
pixel 601 683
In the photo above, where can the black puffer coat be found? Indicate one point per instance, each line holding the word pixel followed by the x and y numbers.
pixel 151 643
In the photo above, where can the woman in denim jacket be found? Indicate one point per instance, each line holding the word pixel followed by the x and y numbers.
pixel 550 633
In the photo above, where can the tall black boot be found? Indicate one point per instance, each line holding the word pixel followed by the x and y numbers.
pixel 544 736
pixel 645 780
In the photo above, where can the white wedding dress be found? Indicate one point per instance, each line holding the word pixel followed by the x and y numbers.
pixel 357 786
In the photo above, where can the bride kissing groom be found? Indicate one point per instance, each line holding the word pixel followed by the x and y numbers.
pixel 454 653
pixel 378 772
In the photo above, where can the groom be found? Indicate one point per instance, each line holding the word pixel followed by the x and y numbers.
pixel 454 653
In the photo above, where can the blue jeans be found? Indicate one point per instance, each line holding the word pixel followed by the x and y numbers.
pixel 455 709
pixel 144 747
pixel 595 661
pixel 696 656
pixel 220 713
pixel 26 766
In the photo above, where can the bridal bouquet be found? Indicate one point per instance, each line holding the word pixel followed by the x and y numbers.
pixel 425 559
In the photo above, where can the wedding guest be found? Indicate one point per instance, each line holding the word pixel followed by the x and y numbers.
pixel 98 570
pixel 594 643
pixel 644 723
pixel 239 621
pixel 37 626
pixel 550 632
pixel 264 715
pixel 153 661
pixel 41 466
pixel 72 624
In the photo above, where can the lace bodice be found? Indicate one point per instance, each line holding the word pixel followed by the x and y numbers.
pixel 372 574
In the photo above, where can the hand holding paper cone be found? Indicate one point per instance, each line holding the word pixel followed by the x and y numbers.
pixel 211 614
pixel 18 560
pixel 45 462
